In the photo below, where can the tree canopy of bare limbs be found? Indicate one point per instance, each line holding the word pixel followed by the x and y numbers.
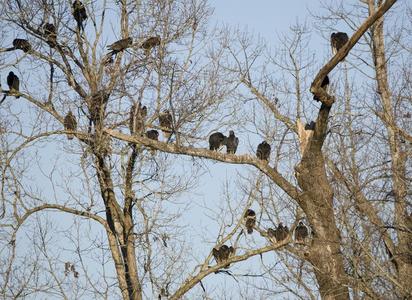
pixel 104 131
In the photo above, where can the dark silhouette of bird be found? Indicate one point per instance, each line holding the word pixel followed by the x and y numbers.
pixel 153 134
pixel 250 220
pixel 223 253
pixel 324 85
pixel 338 40
pixel 79 14
pixel 166 122
pixel 70 123
pixel 149 43
pixel 50 33
pixel 14 84
pixel 137 118
pixel 281 232
pixel 310 126
pixel 301 233
pixel 120 45
pixel 22 44
pixel 217 140
pixel 117 47
pixel 263 151
pixel 231 143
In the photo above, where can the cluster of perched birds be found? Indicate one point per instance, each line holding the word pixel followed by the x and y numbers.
pixel 137 118
pixel 49 32
pixel 138 114
pixel 217 140
pixel 276 235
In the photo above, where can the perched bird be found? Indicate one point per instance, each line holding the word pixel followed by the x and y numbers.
pixel 216 254
pixel 137 118
pixel 166 122
pixel 263 151
pixel 150 42
pixel 14 84
pixel 310 126
pixel 231 143
pixel 325 82
pixel 67 268
pixel 338 40
pixel 152 134
pixel 250 220
pixel 49 31
pixel 301 233
pixel 22 44
pixel 217 140
pixel 324 85
pixel 223 253
pixel 120 45
pixel 79 14
pixel 281 232
pixel 70 123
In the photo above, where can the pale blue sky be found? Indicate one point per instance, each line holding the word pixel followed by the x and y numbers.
pixel 264 17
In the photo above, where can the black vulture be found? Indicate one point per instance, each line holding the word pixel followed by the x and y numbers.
pixel 22 44
pixel 216 254
pixel 70 123
pixel 166 122
pixel 14 84
pixel 231 143
pixel 338 40
pixel 153 134
pixel 67 268
pixel 79 14
pixel 263 151
pixel 250 220
pixel 137 118
pixel 226 252
pixel 151 42
pixel 49 31
pixel 324 85
pixel 217 140
pixel 120 45
pixel 281 232
pixel 223 253
pixel 301 233
pixel 310 126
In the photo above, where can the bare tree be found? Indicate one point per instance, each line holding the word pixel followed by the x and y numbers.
pixel 125 171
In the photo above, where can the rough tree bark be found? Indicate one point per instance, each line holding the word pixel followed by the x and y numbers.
pixel 401 253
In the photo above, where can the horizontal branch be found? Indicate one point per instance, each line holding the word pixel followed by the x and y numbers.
pixel 66 209
pixel 262 165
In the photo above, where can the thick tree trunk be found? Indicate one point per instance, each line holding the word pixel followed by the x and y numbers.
pixel 121 237
pixel 317 202
pixel 402 254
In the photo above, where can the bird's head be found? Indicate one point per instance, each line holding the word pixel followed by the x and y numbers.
pixel 224 247
pixel 250 212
